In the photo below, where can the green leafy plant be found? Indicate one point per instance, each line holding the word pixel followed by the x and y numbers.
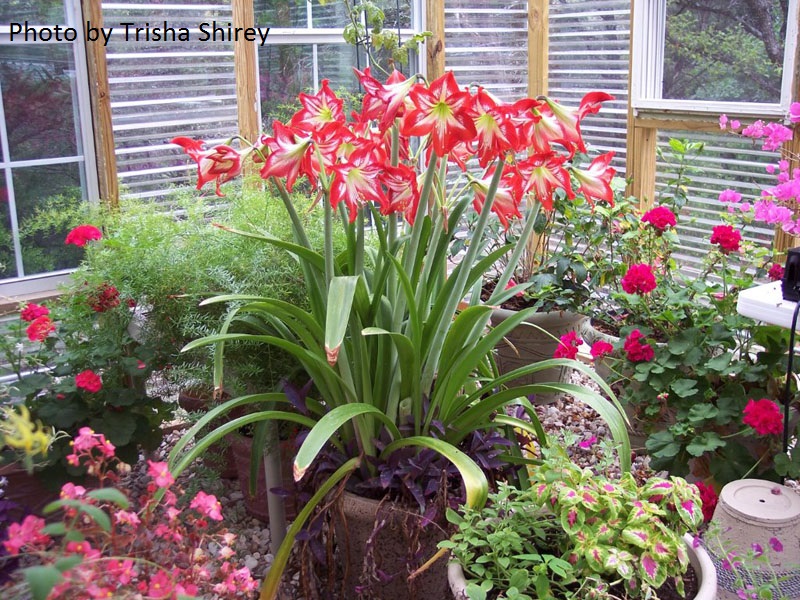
pixel 571 531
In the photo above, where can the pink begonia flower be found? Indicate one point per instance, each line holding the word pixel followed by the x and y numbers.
pixel 125 517
pixel 735 124
pixel 71 491
pixel 730 196
pixel 26 533
pixel 588 443
pixel 723 121
pixel 160 585
pixel 159 471
pixel 794 112
pixel 207 505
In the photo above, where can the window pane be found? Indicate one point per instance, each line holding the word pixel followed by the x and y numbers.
pixel 8 267
pixel 37 84
pixel 40 12
pixel 280 13
pixel 48 201
pixel 336 64
pixel 284 72
pixel 724 50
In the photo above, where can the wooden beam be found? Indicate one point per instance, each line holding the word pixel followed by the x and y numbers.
pixel 100 100
pixel 538 47
pixel 642 165
pixel 434 45
pixel 246 68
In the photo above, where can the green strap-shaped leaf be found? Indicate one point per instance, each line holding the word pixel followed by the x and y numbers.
pixel 327 427
pixel 269 590
pixel 110 495
pixel 340 300
pixel 475 483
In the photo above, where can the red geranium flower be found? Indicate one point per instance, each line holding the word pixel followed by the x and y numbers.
pixel 600 349
pixel 775 272
pixel 727 238
pixel 89 380
pixel 40 328
pixel 764 416
pixel 568 348
pixel 104 298
pixel 83 234
pixel 32 311
pixel 660 218
pixel 709 498
pixel 639 279
pixel 636 350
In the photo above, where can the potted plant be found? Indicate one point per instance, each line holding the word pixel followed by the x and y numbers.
pixel 701 382
pixel 572 532
pixel 397 361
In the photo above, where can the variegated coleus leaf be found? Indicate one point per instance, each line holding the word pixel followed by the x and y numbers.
pixel 568 496
pixel 589 498
pixel 596 556
pixel 572 519
pixel 690 512
pixel 642 511
pixel 620 561
pixel 652 571
pixel 657 489
pixel 640 538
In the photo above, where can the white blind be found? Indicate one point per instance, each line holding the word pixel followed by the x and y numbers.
pixel 166 88
pixel 589 50
pixel 486 42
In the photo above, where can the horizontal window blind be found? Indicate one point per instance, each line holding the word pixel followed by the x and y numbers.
pixel 589 50
pixel 727 162
pixel 486 43
pixel 166 88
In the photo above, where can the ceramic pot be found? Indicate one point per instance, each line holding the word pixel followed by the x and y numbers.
pixel 219 456
pixel 756 512
pixel 361 549
pixel 257 504
pixel 535 340
pixel 698 558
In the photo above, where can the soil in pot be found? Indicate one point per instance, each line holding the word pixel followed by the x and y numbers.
pixel 379 544
pixel 256 504
pixel 26 490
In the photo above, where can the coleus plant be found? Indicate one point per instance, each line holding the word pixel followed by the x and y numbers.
pixel 396 351
pixel 573 531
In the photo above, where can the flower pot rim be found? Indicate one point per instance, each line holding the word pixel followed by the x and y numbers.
pixel 698 558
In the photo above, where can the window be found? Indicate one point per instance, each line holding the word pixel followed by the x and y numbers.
pixel 306 46
pixel 713 56
pixel 47 166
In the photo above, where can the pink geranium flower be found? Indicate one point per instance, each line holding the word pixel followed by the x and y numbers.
pixel 568 346
pixel 89 380
pixel 33 311
pixel 600 349
pixel 639 279
pixel 764 416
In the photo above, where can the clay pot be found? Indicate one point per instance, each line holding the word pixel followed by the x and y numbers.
pixel 26 490
pixel 219 456
pixel 525 345
pixel 698 558
pixel 390 549
pixel 257 505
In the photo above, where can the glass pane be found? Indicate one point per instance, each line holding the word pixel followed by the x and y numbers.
pixel 284 72
pixel 280 13
pixel 48 201
pixel 37 83
pixel 40 12
pixel 336 64
pixel 8 267
pixel 724 50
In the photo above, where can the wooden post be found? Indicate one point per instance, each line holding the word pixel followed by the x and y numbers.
pixel 246 67
pixel 100 100
pixel 538 47
pixel 434 46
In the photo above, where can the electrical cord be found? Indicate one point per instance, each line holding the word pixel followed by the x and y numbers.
pixel 788 387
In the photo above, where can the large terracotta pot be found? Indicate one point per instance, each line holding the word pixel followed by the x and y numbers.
pixel 698 558
pixel 392 548
pixel 535 340
pixel 257 504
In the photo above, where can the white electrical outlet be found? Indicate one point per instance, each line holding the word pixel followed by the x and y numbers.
pixel 765 303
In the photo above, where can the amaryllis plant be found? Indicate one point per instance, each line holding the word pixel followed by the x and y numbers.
pixel 398 355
